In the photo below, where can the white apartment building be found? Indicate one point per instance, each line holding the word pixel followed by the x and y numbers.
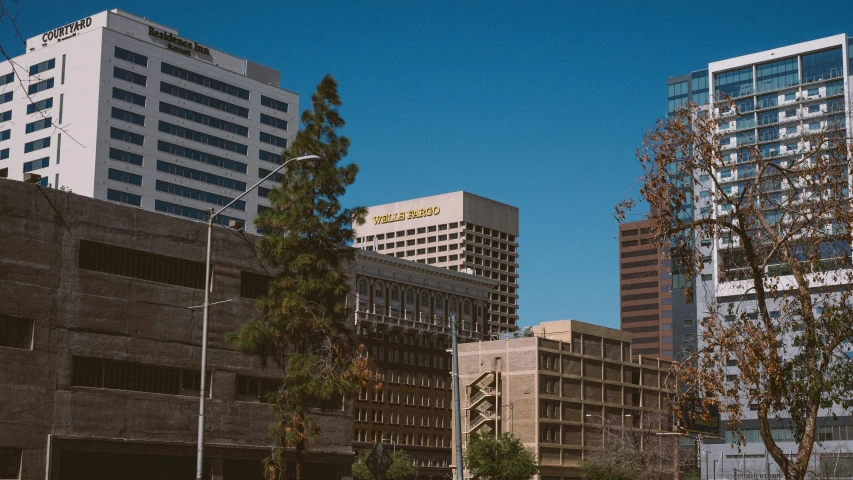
pixel 120 108
pixel 780 94
pixel 459 231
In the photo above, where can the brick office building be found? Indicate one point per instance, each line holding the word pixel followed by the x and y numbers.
pixel 403 316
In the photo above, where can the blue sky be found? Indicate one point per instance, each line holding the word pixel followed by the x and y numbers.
pixel 537 104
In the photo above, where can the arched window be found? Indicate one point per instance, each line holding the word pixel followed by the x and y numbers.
pixel 362 287
pixel 466 308
pixel 395 294
pixel 439 303
pixel 424 300
pixel 378 290
pixel 453 305
pixel 410 296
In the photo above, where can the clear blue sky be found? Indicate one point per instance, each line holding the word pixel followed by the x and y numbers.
pixel 537 104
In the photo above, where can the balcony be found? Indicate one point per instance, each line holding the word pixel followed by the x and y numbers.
pixel 833 73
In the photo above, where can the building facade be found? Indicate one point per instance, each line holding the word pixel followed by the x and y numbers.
pixel 403 316
pixel 458 231
pixel 561 391
pixel 645 290
pixel 120 108
pixel 780 95
pixel 101 349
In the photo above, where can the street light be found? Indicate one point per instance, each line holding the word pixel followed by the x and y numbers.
pixel 211 218
pixel 512 412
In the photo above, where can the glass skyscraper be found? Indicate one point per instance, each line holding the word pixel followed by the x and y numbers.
pixel 780 94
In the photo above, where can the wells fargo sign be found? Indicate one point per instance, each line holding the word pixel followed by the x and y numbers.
pixel 411 214
pixel 178 44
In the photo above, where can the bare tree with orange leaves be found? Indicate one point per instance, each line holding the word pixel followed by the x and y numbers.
pixel 767 218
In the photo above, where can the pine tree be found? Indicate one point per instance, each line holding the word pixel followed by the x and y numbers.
pixel 303 323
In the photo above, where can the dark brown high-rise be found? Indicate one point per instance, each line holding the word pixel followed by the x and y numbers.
pixel 645 291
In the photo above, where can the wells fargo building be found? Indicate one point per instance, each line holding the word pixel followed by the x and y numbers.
pixel 457 231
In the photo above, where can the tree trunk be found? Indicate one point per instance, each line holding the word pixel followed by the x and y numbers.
pixel 300 458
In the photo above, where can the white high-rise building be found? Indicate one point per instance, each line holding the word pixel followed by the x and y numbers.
pixel 120 108
pixel 780 94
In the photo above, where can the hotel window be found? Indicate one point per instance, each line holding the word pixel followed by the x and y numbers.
pixel 127 116
pixel 128 97
pixel 40 86
pixel 4 154
pixel 125 177
pixel 129 76
pixel 273 103
pixel 124 197
pixel 43 66
pixel 36 144
pixel 126 136
pixel 273 121
pixel 131 57
pixel 38 125
pixel 36 164
pixel 6 116
pixel 6 79
pixel 6 97
pixel 273 140
pixel 40 105
pixel 126 157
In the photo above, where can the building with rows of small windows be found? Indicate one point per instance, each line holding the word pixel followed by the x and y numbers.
pixel 457 231
pixel 561 388
pixel 404 315
pixel 120 108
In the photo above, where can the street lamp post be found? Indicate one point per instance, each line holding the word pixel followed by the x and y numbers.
pixel 211 217
pixel 512 412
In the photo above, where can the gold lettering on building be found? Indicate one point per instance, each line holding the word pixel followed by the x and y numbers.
pixel 410 215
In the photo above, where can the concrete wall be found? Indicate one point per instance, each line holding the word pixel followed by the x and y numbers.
pixel 89 313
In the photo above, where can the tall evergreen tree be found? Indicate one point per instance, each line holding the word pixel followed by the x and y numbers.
pixel 303 321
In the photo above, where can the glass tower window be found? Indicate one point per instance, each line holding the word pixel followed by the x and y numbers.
pixel 699 87
pixel 778 74
pixel 734 83
pixel 677 95
pixel 822 65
